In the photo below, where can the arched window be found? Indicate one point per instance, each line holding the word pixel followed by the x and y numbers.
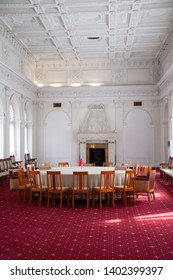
pixel 26 132
pixel 12 136
pixel 28 115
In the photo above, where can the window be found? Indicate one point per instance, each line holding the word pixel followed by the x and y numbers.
pixel 12 138
pixel 26 133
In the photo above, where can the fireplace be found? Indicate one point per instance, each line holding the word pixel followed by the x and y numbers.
pixel 97 148
pixel 96 153
pixel 96 140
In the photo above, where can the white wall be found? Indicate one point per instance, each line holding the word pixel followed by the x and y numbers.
pixel 57 138
pixel 138 138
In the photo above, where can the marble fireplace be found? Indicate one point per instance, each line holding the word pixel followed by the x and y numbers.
pixel 105 143
pixel 96 142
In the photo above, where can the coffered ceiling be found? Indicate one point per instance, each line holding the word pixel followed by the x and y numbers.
pixel 79 30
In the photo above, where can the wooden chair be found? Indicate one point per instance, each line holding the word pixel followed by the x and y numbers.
pixel 128 186
pixel 127 165
pixel 15 163
pixel 36 185
pixel 45 166
pixel 55 187
pixel 107 179
pixel 29 160
pixel 145 186
pixel 80 185
pixel 107 163
pixel 63 164
pixel 23 184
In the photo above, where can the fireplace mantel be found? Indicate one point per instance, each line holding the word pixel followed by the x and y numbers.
pixel 97 137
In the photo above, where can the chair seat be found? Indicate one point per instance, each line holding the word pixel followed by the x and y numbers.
pixel 58 190
pixel 43 188
pixel 78 190
pixel 103 189
pixel 119 187
pixel 28 186
pixel 144 178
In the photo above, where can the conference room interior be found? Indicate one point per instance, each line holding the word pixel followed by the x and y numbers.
pixel 86 85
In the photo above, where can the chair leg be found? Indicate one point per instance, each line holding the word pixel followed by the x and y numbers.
pixel 154 196
pixel 40 198
pixel 18 195
pixel 108 199
pixel 60 200
pixel 100 200
pixel 93 195
pixel 68 194
pixel 113 203
pixel 124 198
pixel 30 202
pixel 48 197
pixel 24 198
pixel 133 197
pixel 149 197
pixel 73 200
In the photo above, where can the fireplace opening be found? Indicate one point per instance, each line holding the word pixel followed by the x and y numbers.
pixel 97 156
pixel 96 153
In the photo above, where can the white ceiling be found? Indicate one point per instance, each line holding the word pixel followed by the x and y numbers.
pixel 59 30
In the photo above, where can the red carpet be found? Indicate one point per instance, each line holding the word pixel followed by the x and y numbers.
pixel 138 231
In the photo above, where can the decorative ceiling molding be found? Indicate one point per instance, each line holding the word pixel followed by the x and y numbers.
pixel 15 43
pixel 57 35
pixel 17 82
pixel 108 92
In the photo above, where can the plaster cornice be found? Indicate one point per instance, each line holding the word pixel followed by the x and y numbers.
pixel 108 92
pixel 15 43
pixel 17 81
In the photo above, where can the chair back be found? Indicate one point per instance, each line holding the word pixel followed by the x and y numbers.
pixel 80 180
pixel 21 177
pixel 121 168
pixel 63 164
pixel 2 167
pixel 127 165
pixel 29 167
pixel 152 176
pixel 107 179
pixel 13 158
pixel 45 166
pixel 54 180
pixel 129 178
pixel 136 167
pixel 35 179
pixel 89 164
pixel 107 163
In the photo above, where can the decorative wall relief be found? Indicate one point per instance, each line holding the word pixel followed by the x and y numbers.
pixel 96 120
pixel 96 129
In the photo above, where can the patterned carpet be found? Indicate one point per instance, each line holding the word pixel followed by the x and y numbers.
pixel 136 232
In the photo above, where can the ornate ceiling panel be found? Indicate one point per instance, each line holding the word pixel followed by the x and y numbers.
pixel 63 30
